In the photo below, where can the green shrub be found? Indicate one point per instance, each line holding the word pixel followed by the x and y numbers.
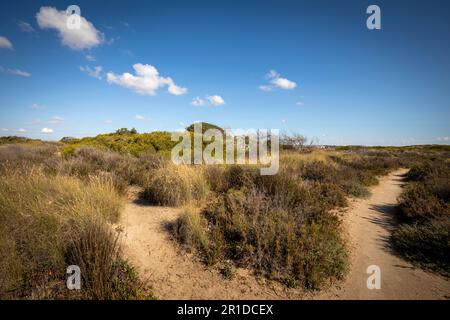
pixel 424 234
pixel 124 142
pixel 419 203
pixel 420 171
pixel 426 243
pixel 228 270
pixel 248 228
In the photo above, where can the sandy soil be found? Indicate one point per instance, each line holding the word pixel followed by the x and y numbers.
pixel 368 224
pixel 175 274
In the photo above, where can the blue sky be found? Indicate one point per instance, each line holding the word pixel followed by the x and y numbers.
pixel 332 79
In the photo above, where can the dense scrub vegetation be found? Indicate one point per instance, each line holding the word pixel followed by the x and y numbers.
pixel 15 139
pixel 424 235
pixel 125 142
pixel 285 227
pixel 50 219
pixel 282 226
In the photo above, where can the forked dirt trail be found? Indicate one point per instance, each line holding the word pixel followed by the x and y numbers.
pixel 369 223
pixel 175 274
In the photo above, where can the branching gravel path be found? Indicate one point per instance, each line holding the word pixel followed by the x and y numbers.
pixel 369 223
pixel 175 274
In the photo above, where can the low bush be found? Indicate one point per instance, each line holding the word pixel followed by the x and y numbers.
pixel 426 243
pixel 248 228
pixel 424 234
pixel 419 203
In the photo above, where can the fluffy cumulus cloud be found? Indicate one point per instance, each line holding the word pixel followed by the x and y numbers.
pixel 5 43
pixel 15 72
pixel 198 102
pixel 145 81
pixel 87 36
pixel 276 81
pixel 214 100
pixel 95 73
pixel 46 130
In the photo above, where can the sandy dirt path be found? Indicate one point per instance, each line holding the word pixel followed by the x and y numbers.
pixel 369 223
pixel 175 274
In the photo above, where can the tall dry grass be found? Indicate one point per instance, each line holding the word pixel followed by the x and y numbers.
pixel 174 185
pixel 49 222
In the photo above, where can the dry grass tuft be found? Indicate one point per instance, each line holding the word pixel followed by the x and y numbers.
pixel 50 222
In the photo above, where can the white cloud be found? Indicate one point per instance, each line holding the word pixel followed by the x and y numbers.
pixel 146 81
pixel 443 138
pixel 276 81
pixel 283 83
pixel 108 121
pixel 283 120
pixel 95 73
pixel 299 103
pixel 139 117
pixel 90 57
pixel 46 130
pixel 87 36
pixel 21 73
pixel 5 130
pixel 174 89
pixel 215 100
pixel 198 102
pixel 15 72
pixel 22 130
pixel 5 43
pixel 25 26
